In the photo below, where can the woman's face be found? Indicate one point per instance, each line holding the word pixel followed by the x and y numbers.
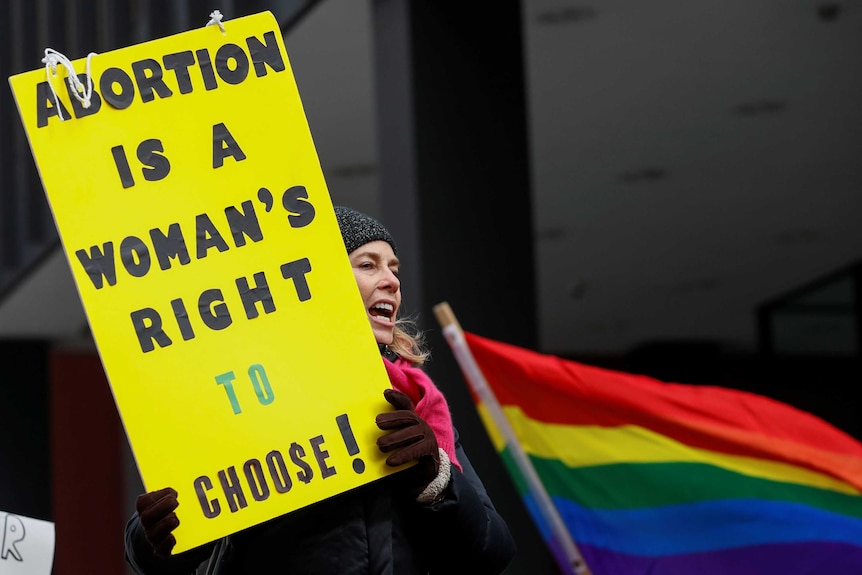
pixel 376 269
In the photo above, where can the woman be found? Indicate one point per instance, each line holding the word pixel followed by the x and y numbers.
pixel 435 517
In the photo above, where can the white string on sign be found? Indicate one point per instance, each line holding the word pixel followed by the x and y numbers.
pixel 216 19
pixel 81 93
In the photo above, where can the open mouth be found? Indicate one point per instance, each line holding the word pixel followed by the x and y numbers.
pixel 382 311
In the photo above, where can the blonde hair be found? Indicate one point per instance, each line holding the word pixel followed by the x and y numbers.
pixel 408 341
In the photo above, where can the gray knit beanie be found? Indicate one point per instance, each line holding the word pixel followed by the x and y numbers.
pixel 358 229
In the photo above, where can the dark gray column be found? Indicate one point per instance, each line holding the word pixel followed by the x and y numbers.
pixel 456 195
pixel 25 450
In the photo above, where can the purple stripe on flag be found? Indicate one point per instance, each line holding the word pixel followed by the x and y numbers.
pixel 815 558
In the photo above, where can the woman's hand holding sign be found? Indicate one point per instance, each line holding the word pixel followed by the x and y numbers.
pixel 411 439
pixel 156 511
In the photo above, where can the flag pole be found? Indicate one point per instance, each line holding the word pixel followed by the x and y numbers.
pixel 571 562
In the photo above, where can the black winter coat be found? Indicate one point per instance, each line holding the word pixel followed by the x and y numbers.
pixel 375 529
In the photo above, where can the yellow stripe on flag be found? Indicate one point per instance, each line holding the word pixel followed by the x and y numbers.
pixel 583 446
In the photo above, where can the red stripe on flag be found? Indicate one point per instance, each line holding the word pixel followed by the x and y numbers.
pixel 553 390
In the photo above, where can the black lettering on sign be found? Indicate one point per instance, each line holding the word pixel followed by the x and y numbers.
pixel 265 54
pixel 346 431
pixel 213 310
pixel 277 468
pixel 243 223
pixel 183 322
pixel 47 106
pixel 251 296
pixel 296 271
pixel 210 507
pixel 148 76
pixel 165 76
pixel 99 263
pixel 122 163
pixel 148 326
pixel 261 479
pixel 135 256
pixel 253 471
pixel 232 489
pixel 179 64
pixel 156 166
pixel 208 236
pixel 169 246
pixel 207 72
pixel 296 452
pixel 321 455
pixel 225 145
pixel 300 212
pixel 212 306
pixel 231 64
pixel 117 88
pixel 77 107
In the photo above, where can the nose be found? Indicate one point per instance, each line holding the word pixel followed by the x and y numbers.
pixel 389 280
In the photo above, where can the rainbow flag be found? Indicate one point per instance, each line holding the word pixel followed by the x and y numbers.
pixel 670 479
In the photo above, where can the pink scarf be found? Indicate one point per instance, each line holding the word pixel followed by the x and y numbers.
pixel 430 403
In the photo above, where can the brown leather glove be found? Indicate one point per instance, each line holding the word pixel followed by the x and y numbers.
pixel 411 439
pixel 157 517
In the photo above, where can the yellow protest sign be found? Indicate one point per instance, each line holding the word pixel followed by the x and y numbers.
pixel 193 211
